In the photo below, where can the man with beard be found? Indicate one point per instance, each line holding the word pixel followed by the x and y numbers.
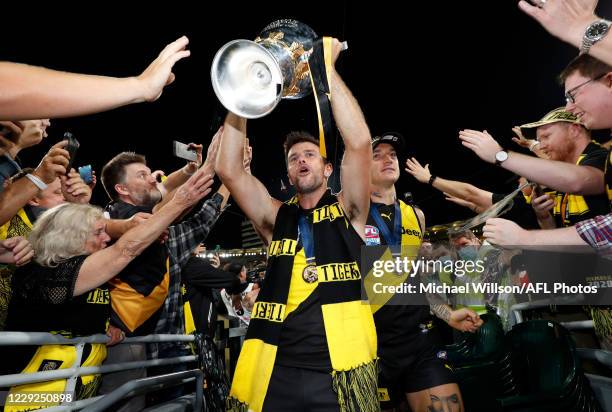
pixel 309 329
pixel 563 138
pixel 587 84
pixel 587 80
pixel 409 366
pixel 145 296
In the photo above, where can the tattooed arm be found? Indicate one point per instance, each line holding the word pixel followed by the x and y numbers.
pixel 442 311
pixel 464 319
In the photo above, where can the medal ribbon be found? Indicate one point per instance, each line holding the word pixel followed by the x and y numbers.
pixel 306 238
pixel 319 68
pixel 392 239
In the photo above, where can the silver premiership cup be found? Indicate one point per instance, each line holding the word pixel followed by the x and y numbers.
pixel 251 77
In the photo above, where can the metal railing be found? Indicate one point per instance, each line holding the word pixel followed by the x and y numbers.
pixel 72 374
pixel 602 356
pixel 563 300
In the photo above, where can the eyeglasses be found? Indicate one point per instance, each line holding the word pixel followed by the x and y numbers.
pixel 570 95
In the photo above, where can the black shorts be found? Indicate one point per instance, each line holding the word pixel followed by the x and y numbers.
pixel 413 367
pixel 295 390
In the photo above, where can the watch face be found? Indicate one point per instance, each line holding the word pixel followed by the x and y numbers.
pixel 597 30
pixel 501 156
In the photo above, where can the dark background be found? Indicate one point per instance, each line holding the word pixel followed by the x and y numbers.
pixel 426 69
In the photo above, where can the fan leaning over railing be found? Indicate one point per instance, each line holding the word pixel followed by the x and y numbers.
pixel 64 290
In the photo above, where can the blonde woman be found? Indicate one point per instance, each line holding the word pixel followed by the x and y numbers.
pixel 64 290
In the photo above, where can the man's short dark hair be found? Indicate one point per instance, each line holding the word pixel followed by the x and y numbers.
pixel 294 138
pixel 113 172
pixel 587 66
pixel 233 267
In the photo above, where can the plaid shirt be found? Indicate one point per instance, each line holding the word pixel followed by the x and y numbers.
pixel 597 232
pixel 182 240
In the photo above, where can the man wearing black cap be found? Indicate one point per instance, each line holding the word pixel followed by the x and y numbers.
pixel 409 364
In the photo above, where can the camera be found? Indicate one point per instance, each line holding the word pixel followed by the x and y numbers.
pixel 256 275
pixel 73 145
pixel 183 151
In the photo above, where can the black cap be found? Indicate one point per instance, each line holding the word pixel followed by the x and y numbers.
pixel 395 139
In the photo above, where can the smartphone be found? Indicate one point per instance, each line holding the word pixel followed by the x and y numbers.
pixel 73 145
pixel 184 152
pixel 86 174
pixel 537 191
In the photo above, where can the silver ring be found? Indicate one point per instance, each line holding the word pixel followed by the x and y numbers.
pixel 542 3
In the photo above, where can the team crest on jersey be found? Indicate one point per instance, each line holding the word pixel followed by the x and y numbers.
pixel 372 235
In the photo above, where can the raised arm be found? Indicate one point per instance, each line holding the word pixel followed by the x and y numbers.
pixel 30 92
pixel 103 265
pixel 479 198
pixel 18 193
pixel 355 169
pixel 504 232
pixel 115 228
pixel 531 144
pixel 177 178
pixel 568 20
pixel 248 192
pixel 180 176
pixel 561 176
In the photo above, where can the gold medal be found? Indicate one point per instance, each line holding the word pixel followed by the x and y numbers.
pixel 310 274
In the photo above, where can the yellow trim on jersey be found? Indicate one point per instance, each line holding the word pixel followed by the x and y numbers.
pixel 131 306
pixel 58 357
pixel 412 234
pixel 21 214
pixel 570 205
pixel 189 320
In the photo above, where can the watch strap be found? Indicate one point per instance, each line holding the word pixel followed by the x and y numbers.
pixel 587 43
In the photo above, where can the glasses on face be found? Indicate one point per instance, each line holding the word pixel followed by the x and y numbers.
pixel 570 95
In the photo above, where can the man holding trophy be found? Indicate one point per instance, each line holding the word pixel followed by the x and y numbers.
pixel 309 328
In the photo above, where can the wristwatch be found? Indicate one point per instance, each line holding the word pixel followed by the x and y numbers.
pixel 594 33
pixel 501 157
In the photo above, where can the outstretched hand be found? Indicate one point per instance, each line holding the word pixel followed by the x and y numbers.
pixel 159 73
pixel 565 19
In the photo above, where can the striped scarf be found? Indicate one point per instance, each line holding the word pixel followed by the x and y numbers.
pixel 349 325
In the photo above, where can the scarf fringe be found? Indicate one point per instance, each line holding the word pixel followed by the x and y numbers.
pixel 357 388
pixel 602 321
pixel 234 405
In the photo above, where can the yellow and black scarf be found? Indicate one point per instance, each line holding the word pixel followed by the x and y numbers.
pixel 349 325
